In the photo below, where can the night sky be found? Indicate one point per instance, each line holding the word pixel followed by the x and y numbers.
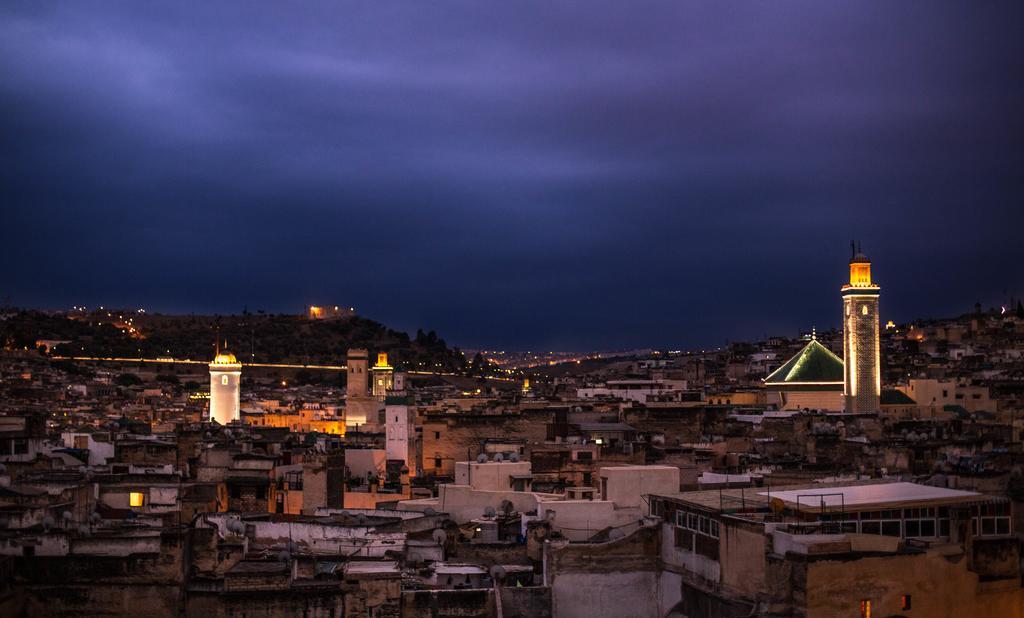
pixel 588 175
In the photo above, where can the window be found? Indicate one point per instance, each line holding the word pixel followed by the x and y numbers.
pixel 437 462
pixel 864 310
pixel 437 435
pixel 136 498
pixel 905 602
pixel 224 380
pixel 891 528
pixel 865 608
pixel 994 519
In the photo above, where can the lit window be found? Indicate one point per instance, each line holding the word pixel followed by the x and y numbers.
pixel 136 498
pixel 905 602
pixel 865 608
pixel 864 310
pixel 224 380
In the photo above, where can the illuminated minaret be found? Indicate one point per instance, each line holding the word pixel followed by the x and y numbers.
pixel 862 379
pixel 383 376
pixel 225 379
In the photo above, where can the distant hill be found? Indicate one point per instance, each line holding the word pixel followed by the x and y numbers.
pixel 251 337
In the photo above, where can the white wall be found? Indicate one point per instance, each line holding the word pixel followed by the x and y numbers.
pixel 490 476
pixel 627 485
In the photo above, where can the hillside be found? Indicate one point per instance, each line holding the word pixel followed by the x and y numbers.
pixel 252 337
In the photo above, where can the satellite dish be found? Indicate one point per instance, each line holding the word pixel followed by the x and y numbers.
pixel 513 457
pixel 507 506
pixel 615 534
pixel 429 511
pixel 481 458
pixel 67 516
pixel 439 536
pixel 498 458
pixel 284 556
pixel 497 572
pixel 489 511
pixel 48 522
pixel 95 517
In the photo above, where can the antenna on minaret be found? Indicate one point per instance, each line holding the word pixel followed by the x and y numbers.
pixel 814 334
pixel 859 250
pixel 217 344
pixel 853 250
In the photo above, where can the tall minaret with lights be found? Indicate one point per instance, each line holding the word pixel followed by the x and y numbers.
pixel 225 378
pixel 862 379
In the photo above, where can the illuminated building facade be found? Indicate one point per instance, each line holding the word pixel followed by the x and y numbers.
pixel 383 377
pixel 225 383
pixel 862 379
pixel 323 312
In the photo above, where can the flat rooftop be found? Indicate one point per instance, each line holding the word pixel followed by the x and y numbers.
pixel 882 495
pixel 378 567
pixel 858 495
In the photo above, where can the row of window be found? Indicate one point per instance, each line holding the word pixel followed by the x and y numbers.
pixel 697 523
pixel 924 528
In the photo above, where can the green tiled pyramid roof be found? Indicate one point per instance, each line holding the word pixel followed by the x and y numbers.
pixel 815 363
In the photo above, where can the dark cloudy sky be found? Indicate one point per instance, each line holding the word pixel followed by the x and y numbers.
pixel 582 175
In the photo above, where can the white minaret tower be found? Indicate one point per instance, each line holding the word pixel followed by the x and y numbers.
pixel 225 383
pixel 862 372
